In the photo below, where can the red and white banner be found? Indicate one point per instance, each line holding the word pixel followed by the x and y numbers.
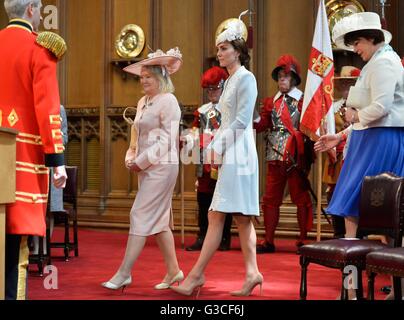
pixel 317 114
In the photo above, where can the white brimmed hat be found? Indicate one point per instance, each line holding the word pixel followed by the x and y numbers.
pixel 170 61
pixel 355 22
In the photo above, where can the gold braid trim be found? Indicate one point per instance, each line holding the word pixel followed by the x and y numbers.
pixel 53 42
pixel 22 269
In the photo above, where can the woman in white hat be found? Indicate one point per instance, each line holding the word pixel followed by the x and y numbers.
pixel 236 190
pixel 376 111
pixel 154 156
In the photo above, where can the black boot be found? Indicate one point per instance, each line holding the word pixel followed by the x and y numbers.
pixel 338 224
pixel 225 244
pixel 386 289
pixel 265 248
pixel 197 246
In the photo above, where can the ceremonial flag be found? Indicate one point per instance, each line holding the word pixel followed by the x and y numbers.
pixel 317 114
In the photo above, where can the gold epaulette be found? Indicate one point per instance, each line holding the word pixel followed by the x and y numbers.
pixel 53 42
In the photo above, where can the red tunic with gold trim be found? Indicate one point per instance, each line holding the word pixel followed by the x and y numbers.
pixel 29 103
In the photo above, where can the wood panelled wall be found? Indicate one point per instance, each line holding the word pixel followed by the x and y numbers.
pixel 3 17
pixel 95 92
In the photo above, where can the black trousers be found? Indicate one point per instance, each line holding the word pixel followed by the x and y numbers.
pixel 204 201
pixel 17 255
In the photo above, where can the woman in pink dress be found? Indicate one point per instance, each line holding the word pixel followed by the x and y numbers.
pixel 154 156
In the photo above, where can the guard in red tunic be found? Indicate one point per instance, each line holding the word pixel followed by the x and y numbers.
pixel 29 103
pixel 285 153
pixel 206 121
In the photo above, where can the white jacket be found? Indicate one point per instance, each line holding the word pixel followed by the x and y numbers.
pixel 379 92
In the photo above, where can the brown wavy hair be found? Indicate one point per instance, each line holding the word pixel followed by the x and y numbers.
pixel 241 47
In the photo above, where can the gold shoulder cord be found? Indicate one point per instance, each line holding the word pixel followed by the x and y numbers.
pixel 53 42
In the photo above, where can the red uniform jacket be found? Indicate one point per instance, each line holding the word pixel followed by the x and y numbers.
pixel 30 104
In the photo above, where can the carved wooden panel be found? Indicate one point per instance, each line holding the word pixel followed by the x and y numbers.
pixel 122 181
pixel 83 149
pixel 73 155
pixel 93 164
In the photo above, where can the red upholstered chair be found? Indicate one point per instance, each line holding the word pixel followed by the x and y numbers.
pixel 69 214
pixel 388 261
pixel 381 206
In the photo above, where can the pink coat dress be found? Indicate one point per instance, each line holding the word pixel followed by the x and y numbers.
pixel 157 124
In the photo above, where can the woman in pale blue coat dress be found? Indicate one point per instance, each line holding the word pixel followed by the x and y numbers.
pixel 235 144
pixel 234 149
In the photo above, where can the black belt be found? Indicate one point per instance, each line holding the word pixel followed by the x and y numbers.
pixel 280 130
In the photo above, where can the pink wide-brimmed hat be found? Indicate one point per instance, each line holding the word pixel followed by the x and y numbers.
pixel 171 61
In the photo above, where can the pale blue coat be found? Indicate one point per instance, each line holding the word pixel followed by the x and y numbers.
pixel 237 186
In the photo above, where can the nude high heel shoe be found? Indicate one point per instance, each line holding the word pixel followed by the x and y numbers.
pixel 165 285
pixel 195 287
pixel 113 286
pixel 249 287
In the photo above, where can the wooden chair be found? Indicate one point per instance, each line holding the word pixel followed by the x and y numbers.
pixel 69 214
pixel 388 261
pixel 380 211
pixel 43 257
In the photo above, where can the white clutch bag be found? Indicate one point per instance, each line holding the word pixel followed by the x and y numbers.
pixel 358 98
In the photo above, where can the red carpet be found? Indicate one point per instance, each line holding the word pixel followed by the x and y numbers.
pixel 101 254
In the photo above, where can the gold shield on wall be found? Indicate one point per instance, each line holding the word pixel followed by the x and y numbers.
pixel 338 9
pixel 130 41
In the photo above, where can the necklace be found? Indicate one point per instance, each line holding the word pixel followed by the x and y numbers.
pixel 148 102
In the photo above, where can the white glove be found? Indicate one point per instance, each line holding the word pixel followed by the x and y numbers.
pixel 59 177
pixel 188 142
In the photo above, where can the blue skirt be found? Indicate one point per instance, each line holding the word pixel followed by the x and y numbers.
pixel 371 152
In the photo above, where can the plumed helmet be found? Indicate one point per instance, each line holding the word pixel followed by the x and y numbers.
pixel 214 77
pixel 348 72
pixel 289 64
